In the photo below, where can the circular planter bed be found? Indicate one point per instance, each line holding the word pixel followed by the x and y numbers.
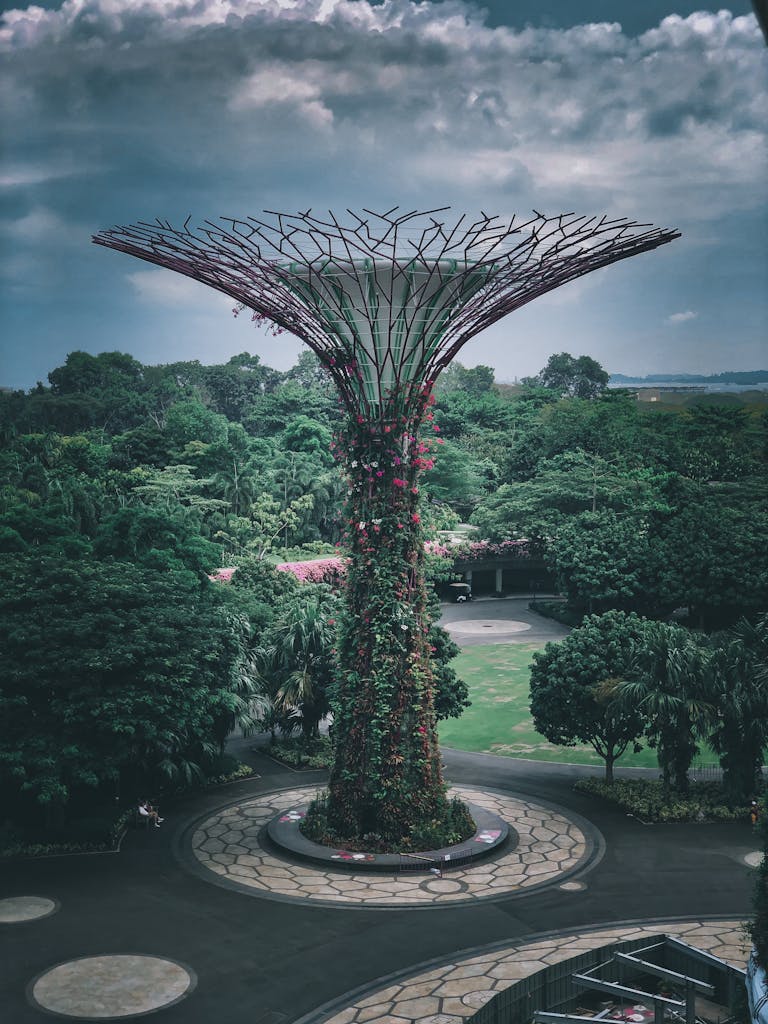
pixel 491 833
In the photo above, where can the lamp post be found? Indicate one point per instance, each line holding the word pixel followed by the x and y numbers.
pixel 385 301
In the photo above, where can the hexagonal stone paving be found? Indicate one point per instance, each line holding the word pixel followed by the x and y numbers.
pixel 451 994
pixel 550 846
pixel 110 987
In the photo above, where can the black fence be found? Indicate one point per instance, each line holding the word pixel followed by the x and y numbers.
pixel 418 863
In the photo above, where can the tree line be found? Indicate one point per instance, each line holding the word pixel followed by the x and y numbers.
pixel 124 486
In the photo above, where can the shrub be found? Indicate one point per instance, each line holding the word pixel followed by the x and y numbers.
pixel 646 800
pixel 298 753
pixel 227 769
pixel 557 610
pixel 456 825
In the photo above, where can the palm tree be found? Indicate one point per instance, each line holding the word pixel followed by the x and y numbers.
pixel 666 685
pixel 238 484
pixel 298 658
pixel 737 684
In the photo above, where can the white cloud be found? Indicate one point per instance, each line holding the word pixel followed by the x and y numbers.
pixel 22 175
pixel 164 288
pixel 115 110
pixel 39 224
pixel 669 123
pixel 275 86
pixel 680 318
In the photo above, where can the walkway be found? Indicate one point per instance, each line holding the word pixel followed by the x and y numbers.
pixel 158 927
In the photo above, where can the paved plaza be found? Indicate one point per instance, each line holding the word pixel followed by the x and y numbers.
pixel 549 846
pixel 202 920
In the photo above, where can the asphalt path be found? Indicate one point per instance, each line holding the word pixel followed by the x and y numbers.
pixel 259 961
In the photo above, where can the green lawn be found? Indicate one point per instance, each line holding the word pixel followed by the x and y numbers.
pixel 499 721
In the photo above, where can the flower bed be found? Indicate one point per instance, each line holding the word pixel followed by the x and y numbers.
pixel 317 570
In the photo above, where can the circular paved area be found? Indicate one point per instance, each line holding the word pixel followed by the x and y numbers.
pixel 453 992
pixel 551 845
pixel 109 987
pixel 18 909
pixel 487 627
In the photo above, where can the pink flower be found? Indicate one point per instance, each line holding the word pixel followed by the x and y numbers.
pixel 398 482
pixel 223 575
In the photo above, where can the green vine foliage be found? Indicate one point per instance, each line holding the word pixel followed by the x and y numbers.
pixel 386 778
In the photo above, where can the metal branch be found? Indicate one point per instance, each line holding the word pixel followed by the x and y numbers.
pixel 385 307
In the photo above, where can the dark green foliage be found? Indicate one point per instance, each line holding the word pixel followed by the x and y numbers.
pixel 300 753
pixel 112 673
pixel 295 658
pixel 651 801
pixel 453 825
pixel 581 377
pixel 557 610
pixel 736 684
pixel 573 686
pixel 664 684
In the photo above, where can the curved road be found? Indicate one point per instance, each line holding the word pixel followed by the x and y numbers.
pixel 262 961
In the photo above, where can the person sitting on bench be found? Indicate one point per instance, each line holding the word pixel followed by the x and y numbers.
pixel 146 810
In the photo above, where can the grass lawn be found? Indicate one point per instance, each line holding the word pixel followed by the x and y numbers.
pixel 499 721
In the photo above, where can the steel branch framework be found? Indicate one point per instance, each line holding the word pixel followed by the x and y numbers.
pixel 387 299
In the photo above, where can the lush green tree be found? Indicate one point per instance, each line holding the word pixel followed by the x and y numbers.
pixel 260 530
pixel 607 426
pixel 190 421
pixel 454 478
pixel 581 377
pixel 665 684
pixel 296 656
pixel 232 389
pixel 271 411
pixel 111 672
pixel 156 537
pixel 737 686
pixel 574 682
pixel 451 692
pixel 567 485
pixel 238 483
pixel 477 380
pixel 600 560
pixel 712 554
pixel 303 434
pixel 258 581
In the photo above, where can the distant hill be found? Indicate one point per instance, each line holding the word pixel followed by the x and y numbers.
pixel 727 377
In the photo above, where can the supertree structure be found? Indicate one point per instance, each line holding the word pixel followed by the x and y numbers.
pixel 385 301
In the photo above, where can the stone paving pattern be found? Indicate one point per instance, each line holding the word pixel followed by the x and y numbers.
pixel 550 844
pixel 18 909
pixel 452 993
pixel 106 987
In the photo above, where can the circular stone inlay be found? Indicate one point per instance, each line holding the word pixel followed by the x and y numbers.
pixel 443 885
pixel 754 859
pixel 476 627
pixel 105 987
pixel 17 909
pixel 228 848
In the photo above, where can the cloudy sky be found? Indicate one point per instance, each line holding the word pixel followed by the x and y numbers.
pixel 115 111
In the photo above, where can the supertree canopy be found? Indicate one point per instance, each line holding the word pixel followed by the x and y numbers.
pixel 385 301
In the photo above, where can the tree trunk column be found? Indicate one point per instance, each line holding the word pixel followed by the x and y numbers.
pixel 386 778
